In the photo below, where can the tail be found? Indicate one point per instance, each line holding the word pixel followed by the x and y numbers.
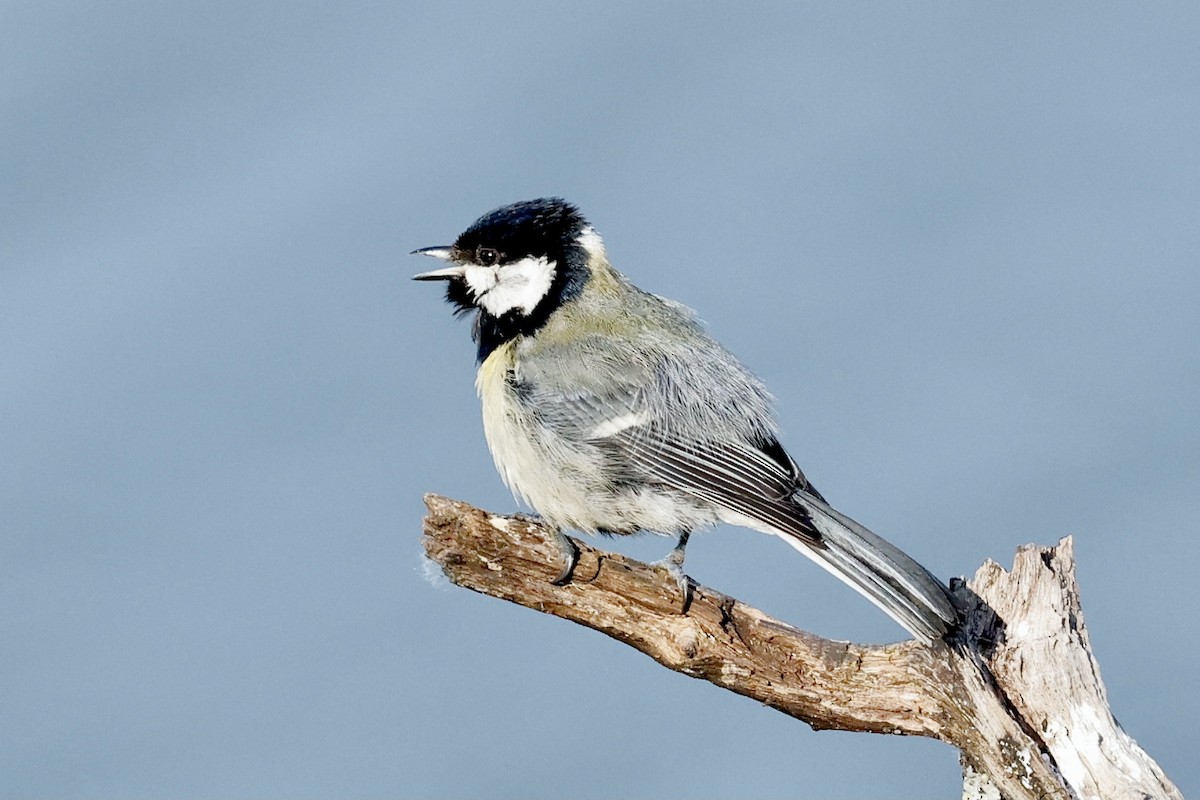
pixel 901 587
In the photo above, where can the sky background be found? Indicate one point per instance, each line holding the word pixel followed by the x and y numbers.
pixel 959 243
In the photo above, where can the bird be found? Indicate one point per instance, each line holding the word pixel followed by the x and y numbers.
pixel 611 410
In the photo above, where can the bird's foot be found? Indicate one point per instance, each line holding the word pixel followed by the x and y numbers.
pixel 570 555
pixel 673 564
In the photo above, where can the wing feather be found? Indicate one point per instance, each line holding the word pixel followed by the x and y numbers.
pixel 729 476
pixel 620 416
pixel 647 434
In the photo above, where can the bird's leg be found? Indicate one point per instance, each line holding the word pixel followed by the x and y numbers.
pixel 570 555
pixel 673 564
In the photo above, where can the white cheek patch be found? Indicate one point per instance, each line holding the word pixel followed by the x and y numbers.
pixel 480 280
pixel 520 285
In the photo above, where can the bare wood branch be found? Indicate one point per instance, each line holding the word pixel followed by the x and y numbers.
pixel 1046 668
pixel 1018 692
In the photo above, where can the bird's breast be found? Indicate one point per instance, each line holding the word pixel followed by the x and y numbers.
pixel 513 435
pixel 561 478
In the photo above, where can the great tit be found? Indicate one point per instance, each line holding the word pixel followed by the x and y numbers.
pixel 610 410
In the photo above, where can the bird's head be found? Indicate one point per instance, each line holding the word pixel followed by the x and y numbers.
pixel 517 264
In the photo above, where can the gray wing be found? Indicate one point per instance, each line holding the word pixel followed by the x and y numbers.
pixel 702 427
pixel 740 477
pixel 700 442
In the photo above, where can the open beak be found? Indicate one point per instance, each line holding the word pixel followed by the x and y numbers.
pixel 444 274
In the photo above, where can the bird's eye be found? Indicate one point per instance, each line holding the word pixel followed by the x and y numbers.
pixel 487 256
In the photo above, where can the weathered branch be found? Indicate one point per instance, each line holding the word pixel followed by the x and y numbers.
pixel 1017 692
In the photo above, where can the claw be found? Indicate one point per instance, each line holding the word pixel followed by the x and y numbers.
pixel 682 581
pixel 673 564
pixel 570 556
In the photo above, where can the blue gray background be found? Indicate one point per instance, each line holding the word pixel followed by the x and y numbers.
pixel 959 243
